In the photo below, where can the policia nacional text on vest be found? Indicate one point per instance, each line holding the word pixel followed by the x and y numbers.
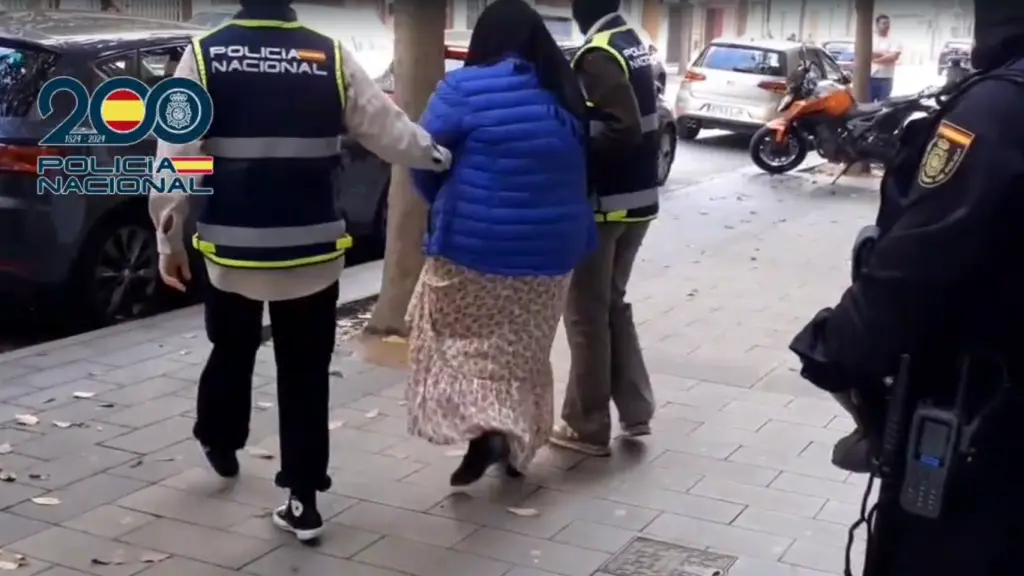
pixel 625 182
pixel 277 157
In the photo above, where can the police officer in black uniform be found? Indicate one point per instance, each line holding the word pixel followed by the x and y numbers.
pixel 927 341
pixel 617 73
pixel 274 229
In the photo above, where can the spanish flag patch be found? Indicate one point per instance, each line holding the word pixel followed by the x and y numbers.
pixel 944 154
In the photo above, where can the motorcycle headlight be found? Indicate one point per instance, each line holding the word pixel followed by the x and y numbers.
pixel 784 103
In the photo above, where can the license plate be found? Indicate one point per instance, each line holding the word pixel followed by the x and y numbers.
pixel 727 111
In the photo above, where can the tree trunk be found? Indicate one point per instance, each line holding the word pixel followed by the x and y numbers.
pixel 186 10
pixel 419 65
pixel 864 39
pixel 802 22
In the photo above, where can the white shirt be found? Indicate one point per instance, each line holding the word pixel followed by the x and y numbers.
pixel 886 44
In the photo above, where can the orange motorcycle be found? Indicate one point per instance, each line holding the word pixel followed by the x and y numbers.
pixel 822 115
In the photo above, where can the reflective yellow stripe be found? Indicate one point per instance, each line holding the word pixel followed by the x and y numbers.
pixel 264 24
pixel 620 216
pixel 342 91
pixel 209 251
pixel 601 40
pixel 197 49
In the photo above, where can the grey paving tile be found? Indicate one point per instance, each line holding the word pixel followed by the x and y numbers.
pixel 765 498
pixel 77 550
pixel 395 494
pixel 162 464
pixel 340 541
pixel 748 455
pixel 79 498
pixel 795 527
pixel 13 494
pixel 62 395
pixel 62 571
pixel 305 562
pixel 71 468
pixel 744 473
pixel 130 355
pixel 425 560
pixel 810 554
pixel 59 443
pixel 177 566
pixel 361 463
pixel 415 526
pixel 140 372
pixel 678 503
pixel 199 543
pixel 533 552
pixel 154 437
pixel 729 539
pixel 595 536
pixel 149 412
pixel 192 508
pixel 807 485
pixel 109 521
pixel 14 528
pixel 58 375
pixel 758 567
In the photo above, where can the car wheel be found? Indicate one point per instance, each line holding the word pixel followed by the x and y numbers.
pixel 117 276
pixel 687 129
pixel 666 153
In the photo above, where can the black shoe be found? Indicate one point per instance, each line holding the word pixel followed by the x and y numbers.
pixel 482 452
pixel 300 517
pixel 224 462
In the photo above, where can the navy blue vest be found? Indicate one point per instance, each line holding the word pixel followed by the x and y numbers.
pixel 625 181
pixel 279 97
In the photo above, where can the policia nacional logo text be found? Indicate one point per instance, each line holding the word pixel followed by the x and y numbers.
pixel 944 155
pixel 267 60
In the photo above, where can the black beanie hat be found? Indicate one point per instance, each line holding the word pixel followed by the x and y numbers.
pixel 586 13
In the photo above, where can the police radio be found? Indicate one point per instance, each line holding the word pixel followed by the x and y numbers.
pixel 939 442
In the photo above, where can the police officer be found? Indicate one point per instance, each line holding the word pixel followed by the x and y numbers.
pixel 938 304
pixel 273 230
pixel 616 70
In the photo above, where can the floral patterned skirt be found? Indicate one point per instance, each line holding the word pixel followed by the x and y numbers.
pixel 480 354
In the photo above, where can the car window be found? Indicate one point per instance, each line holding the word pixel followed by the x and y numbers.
pixel 209 19
pixel 841 51
pixel 962 46
pixel 747 60
pixel 23 71
pixel 156 64
pixel 114 66
pixel 828 65
pixel 561 28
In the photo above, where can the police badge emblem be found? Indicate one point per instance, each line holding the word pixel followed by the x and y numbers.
pixel 178 113
pixel 944 154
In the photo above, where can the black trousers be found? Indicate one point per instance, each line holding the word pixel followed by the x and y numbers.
pixel 303 333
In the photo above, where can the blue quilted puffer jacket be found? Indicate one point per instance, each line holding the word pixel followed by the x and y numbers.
pixel 515 200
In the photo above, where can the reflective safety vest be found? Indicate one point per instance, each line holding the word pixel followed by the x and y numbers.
pixel 279 96
pixel 625 182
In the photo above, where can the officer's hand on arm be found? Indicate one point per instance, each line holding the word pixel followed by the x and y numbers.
pixel 383 128
pixel 170 211
pixel 608 89
pixel 925 272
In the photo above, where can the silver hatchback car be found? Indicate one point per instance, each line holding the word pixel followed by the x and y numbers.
pixel 736 85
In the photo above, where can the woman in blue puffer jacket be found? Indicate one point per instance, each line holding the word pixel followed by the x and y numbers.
pixel 508 223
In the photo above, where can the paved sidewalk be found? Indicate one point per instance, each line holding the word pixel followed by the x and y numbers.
pixel 738 464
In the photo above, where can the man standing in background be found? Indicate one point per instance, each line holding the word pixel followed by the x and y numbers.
pixel 885 52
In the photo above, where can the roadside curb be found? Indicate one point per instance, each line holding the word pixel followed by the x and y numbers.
pixel 358 283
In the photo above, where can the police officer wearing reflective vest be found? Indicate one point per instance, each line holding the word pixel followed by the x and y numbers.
pixel 926 344
pixel 616 71
pixel 273 229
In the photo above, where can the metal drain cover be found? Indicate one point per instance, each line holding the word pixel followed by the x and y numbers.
pixel 646 557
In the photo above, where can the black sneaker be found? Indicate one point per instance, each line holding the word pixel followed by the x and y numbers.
pixel 300 517
pixel 223 462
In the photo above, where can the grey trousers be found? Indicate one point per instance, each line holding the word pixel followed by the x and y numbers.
pixel 607 363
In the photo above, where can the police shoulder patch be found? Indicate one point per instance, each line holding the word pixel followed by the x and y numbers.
pixel 944 154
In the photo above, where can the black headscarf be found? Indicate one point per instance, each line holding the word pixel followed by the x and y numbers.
pixel 266 10
pixel 586 13
pixel 998 33
pixel 513 28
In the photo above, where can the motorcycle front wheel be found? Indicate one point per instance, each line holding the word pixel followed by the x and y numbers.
pixel 777 157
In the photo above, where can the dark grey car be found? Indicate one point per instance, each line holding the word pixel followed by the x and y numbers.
pixel 95 256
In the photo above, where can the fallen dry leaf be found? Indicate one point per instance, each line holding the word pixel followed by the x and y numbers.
pixel 260 453
pixel 45 501
pixel 26 419
pixel 9 565
pixel 402 402
pixel 394 340
pixel 5 448
pixel 264 405
pixel 153 557
pixel 524 512
pixel 8 476
pixel 455 453
pixel 166 459
pixel 35 476
pixel 106 405
pixel 334 425
pixel 60 424
pixel 184 352
pixel 373 414
pixel 116 560
pixel 83 395
pixel 135 464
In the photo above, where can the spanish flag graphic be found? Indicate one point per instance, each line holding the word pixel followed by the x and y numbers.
pixel 193 165
pixel 315 56
pixel 123 111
